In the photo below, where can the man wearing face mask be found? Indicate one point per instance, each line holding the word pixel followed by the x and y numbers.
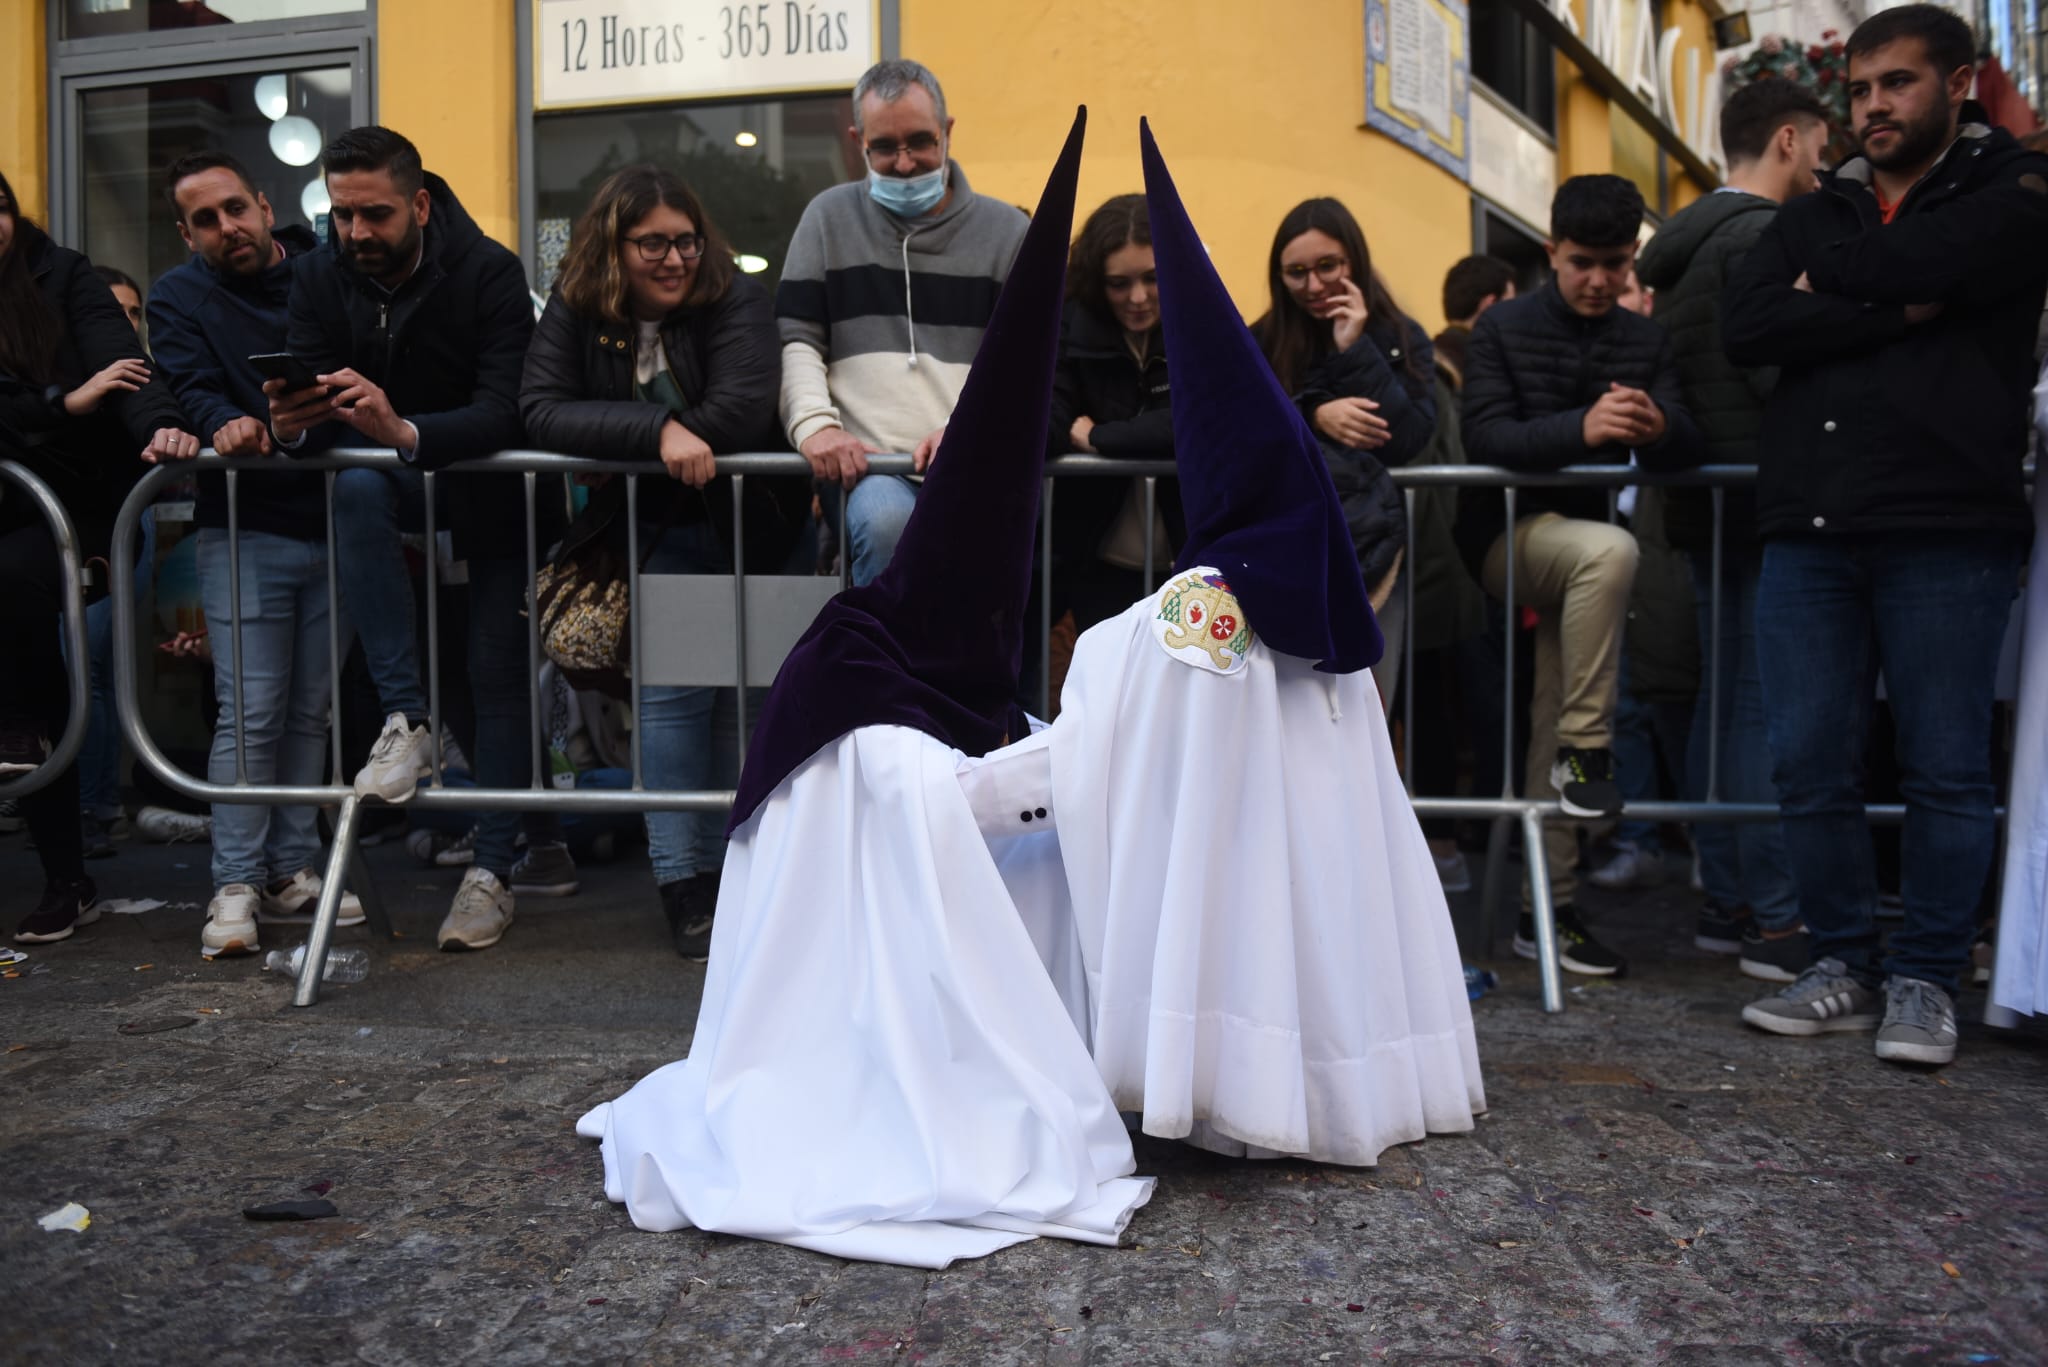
pixel 1900 301
pixel 887 288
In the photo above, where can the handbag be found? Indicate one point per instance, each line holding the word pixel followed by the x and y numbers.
pixel 584 601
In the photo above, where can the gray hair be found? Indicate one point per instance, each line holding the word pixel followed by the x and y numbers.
pixel 891 80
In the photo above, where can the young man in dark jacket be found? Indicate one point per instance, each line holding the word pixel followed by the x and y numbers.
pixel 1556 378
pixel 206 318
pixel 1774 134
pixel 416 326
pixel 1901 303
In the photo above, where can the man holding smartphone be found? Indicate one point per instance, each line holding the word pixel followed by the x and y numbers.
pixel 207 318
pixel 416 325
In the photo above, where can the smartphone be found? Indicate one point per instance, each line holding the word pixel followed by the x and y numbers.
pixel 282 365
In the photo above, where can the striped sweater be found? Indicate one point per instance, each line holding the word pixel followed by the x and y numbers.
pixel 881 316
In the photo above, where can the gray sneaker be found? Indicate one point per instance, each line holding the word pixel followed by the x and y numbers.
pixel 1919 1023
pixel 1824 998
pixel 545 871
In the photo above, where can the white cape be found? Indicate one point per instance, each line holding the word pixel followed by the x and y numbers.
pixel 881 1069
pixel 1270 963
pixel 2020 980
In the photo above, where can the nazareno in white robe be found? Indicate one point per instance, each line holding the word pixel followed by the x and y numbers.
pixel 882 1069
pixel 1269 960
pixel 2019 982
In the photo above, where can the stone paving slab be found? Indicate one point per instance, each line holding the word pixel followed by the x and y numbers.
pixel 1655 1183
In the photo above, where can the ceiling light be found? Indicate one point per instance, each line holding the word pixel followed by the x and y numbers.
pixel 295 140
pixel 273 97
pixel 313 200
pixel 752 265
pixel 744 138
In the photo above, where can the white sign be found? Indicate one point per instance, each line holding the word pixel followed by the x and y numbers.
pixel 609 52
pixel 1696 122
pixel 1510 165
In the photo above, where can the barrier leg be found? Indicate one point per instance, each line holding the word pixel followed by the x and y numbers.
pixel 329 911
pixel 1541 910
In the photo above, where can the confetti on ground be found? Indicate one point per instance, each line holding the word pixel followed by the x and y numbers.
pixel 70 1215
pixel 1952 1269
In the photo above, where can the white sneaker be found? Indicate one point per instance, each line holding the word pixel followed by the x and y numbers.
pixel 401 757
pixel 1452 869
pixel 481 914
pixel 167 827
pixel 294 901
pixel 230 922
pixel 1630 868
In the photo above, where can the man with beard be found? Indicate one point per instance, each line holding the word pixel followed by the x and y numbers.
pixel 416 325
pixel 206 318
pixel 1901 302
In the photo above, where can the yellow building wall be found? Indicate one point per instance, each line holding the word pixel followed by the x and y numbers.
pixel 447 78
pixel 25 105
pixel 1253 113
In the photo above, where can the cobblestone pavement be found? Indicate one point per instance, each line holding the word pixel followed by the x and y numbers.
pixel 1656 1183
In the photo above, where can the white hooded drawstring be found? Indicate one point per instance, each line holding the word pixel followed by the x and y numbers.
pixel 1330 687
pixel 909 315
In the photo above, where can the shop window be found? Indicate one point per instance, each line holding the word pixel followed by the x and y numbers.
pixel 1514 61
pixel 754 165
pixel 275 124
pixel 111 18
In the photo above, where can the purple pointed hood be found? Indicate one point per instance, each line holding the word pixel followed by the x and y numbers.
pixel 936 641
pixel 1260 504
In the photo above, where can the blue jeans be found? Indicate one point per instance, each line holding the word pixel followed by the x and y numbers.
pixel 677 747
pixel 501 687
pixel 1741 863
pixel 876 512
pixel 372 510
pixel 99 763
pixel 287 677
pixel 1643 730
pixel 579 830
pixel 1930 611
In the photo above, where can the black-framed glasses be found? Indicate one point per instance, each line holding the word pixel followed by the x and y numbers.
pixel 882 151
pixel 655 247
pixel 1329 270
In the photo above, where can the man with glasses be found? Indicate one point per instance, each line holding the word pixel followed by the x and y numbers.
pixel 887 288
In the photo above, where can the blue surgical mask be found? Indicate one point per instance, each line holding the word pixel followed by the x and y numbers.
pixel 908 196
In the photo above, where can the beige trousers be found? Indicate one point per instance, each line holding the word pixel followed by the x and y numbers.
pixel 1577 575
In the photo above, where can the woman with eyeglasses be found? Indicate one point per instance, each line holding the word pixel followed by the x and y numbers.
pixel 653 347
pixel 1361 371
pixel 1111 398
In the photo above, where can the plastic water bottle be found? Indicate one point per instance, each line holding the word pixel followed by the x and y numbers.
pixel 343 965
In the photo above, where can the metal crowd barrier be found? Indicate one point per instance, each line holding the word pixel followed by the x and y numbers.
pixel 756 618
pixel 77 664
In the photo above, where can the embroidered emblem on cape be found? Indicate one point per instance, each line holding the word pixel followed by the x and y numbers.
pixel 1199 622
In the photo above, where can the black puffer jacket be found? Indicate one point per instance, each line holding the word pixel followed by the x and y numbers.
pixel 1397 371
pixel 446 346
pixel 1132 407
pixel 577 398
pixel 91 462
pixel 1879 425
pixel 1688 263
pixel 1534 369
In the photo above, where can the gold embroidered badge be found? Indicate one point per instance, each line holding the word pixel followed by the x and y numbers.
pixel 1200 622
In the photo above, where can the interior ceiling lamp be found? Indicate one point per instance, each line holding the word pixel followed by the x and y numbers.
pixel 313 200
pixel 295 140
pixel 273 97
pixel 752 265
pixel 744 138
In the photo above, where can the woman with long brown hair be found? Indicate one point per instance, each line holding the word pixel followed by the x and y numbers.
pixel 654 347
pixel 1361 372
pixel 1110 398
pixel 78 400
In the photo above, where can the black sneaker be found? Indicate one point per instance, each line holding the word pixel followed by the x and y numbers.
pixel 1776 959
pixel 1585 785
pixel 93 836
pixel 689 904
pixel 66 905
pixel 1577 950
pixel 22 751
pixel 1723 932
